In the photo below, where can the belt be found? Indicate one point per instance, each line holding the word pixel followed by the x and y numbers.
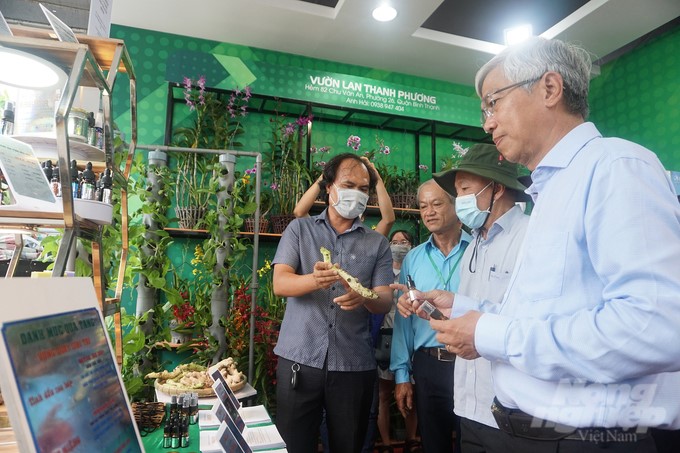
pixel 440 354
pixel 520 424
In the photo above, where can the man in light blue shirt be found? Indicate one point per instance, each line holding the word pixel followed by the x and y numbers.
pixel 585 347
pixel 415 351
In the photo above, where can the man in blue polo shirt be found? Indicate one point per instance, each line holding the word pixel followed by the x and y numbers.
pixel 415 351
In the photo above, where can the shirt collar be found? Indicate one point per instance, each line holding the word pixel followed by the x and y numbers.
pixel 502 223
pixel 561 155
pixel 465 238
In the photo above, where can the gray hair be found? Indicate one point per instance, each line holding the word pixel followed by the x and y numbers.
pixel 432 181
pixel 536 56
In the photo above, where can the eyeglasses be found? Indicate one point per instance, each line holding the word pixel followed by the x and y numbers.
pixel 400 243
pixel 487 110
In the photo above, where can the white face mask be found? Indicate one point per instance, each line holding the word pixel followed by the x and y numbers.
pixel 351 203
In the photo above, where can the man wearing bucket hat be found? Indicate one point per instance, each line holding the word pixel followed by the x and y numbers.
pixel 486 187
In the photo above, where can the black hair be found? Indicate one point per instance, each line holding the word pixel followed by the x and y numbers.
pixel 406 234
pixel 330 172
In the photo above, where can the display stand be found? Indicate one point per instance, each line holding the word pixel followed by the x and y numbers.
pixel 60 381
pixel 92 62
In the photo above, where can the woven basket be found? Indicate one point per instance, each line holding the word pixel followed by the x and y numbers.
pixel 280 222
pixel 189 217
pixel 148 416
pixel 403 200
pixel 249 225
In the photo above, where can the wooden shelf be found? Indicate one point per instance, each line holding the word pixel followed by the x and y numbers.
pixel 103 49
pixel 203 234
pixel 372 210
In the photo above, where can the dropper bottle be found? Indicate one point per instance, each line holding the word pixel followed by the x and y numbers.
pixel 87 188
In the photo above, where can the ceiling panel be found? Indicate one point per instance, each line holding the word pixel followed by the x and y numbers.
pixel 486 20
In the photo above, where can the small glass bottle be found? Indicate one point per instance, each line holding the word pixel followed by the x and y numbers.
pixel 87 187
pixel 91 134
pixel 167 435
pixel 55 185
pixel 7 123
pixel 193 409
pixel 75 185
pixel 47 169
pixel 185 423
pixel 106 182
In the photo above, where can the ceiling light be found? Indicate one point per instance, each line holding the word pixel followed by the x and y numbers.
pixel 517 34
pixel 384 13
pixel 24 70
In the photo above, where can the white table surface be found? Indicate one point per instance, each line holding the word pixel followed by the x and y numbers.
pixel 248 391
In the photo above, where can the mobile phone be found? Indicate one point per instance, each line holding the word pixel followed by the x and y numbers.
pixel 426 306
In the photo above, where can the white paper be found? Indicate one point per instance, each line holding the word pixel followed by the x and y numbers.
pixel 63 31
pixel 4 26
pixel 99 22
pixel 27 182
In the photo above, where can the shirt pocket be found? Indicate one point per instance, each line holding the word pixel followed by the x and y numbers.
pixel 544 265
pixel 499 276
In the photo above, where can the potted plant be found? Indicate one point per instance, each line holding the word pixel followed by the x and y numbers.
pixel 193 195
pixel 289 175
pixel 403 188
pixel 215 125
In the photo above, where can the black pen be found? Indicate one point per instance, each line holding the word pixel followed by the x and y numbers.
pixel 427 307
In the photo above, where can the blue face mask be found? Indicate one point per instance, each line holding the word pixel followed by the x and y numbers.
pixel 468 212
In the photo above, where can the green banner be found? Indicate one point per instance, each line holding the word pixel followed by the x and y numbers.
pixel 366 94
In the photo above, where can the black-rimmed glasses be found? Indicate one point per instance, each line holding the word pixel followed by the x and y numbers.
pixel 490 103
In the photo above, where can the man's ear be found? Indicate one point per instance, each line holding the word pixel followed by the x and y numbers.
pixel 498 191
pixel 554 88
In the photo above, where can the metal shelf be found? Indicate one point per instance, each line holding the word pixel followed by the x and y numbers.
pixel 93 62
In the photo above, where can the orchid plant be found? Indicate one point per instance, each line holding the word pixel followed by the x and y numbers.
pixel 216 124
pixel 289 174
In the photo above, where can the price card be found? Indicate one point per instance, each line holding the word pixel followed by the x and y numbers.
pixel 25 178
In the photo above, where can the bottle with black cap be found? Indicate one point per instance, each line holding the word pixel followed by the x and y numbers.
pixel 87 187
pixel 7 123
pixel 73 169
pixel 55 184
pixel 47 169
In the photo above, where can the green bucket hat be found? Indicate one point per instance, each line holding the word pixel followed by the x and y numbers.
pixel 485 161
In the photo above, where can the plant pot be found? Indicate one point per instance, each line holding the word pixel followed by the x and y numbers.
pixel 178 337
pixel 249 225
pixel 280 222
pixel 403 200
pixel 189 217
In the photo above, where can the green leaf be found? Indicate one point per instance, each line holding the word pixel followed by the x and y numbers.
pixel 133 341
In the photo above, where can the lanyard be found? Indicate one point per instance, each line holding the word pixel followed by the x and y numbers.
pixel 453 269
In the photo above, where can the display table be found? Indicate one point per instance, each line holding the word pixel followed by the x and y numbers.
pixel 153 441
pixel 246 394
